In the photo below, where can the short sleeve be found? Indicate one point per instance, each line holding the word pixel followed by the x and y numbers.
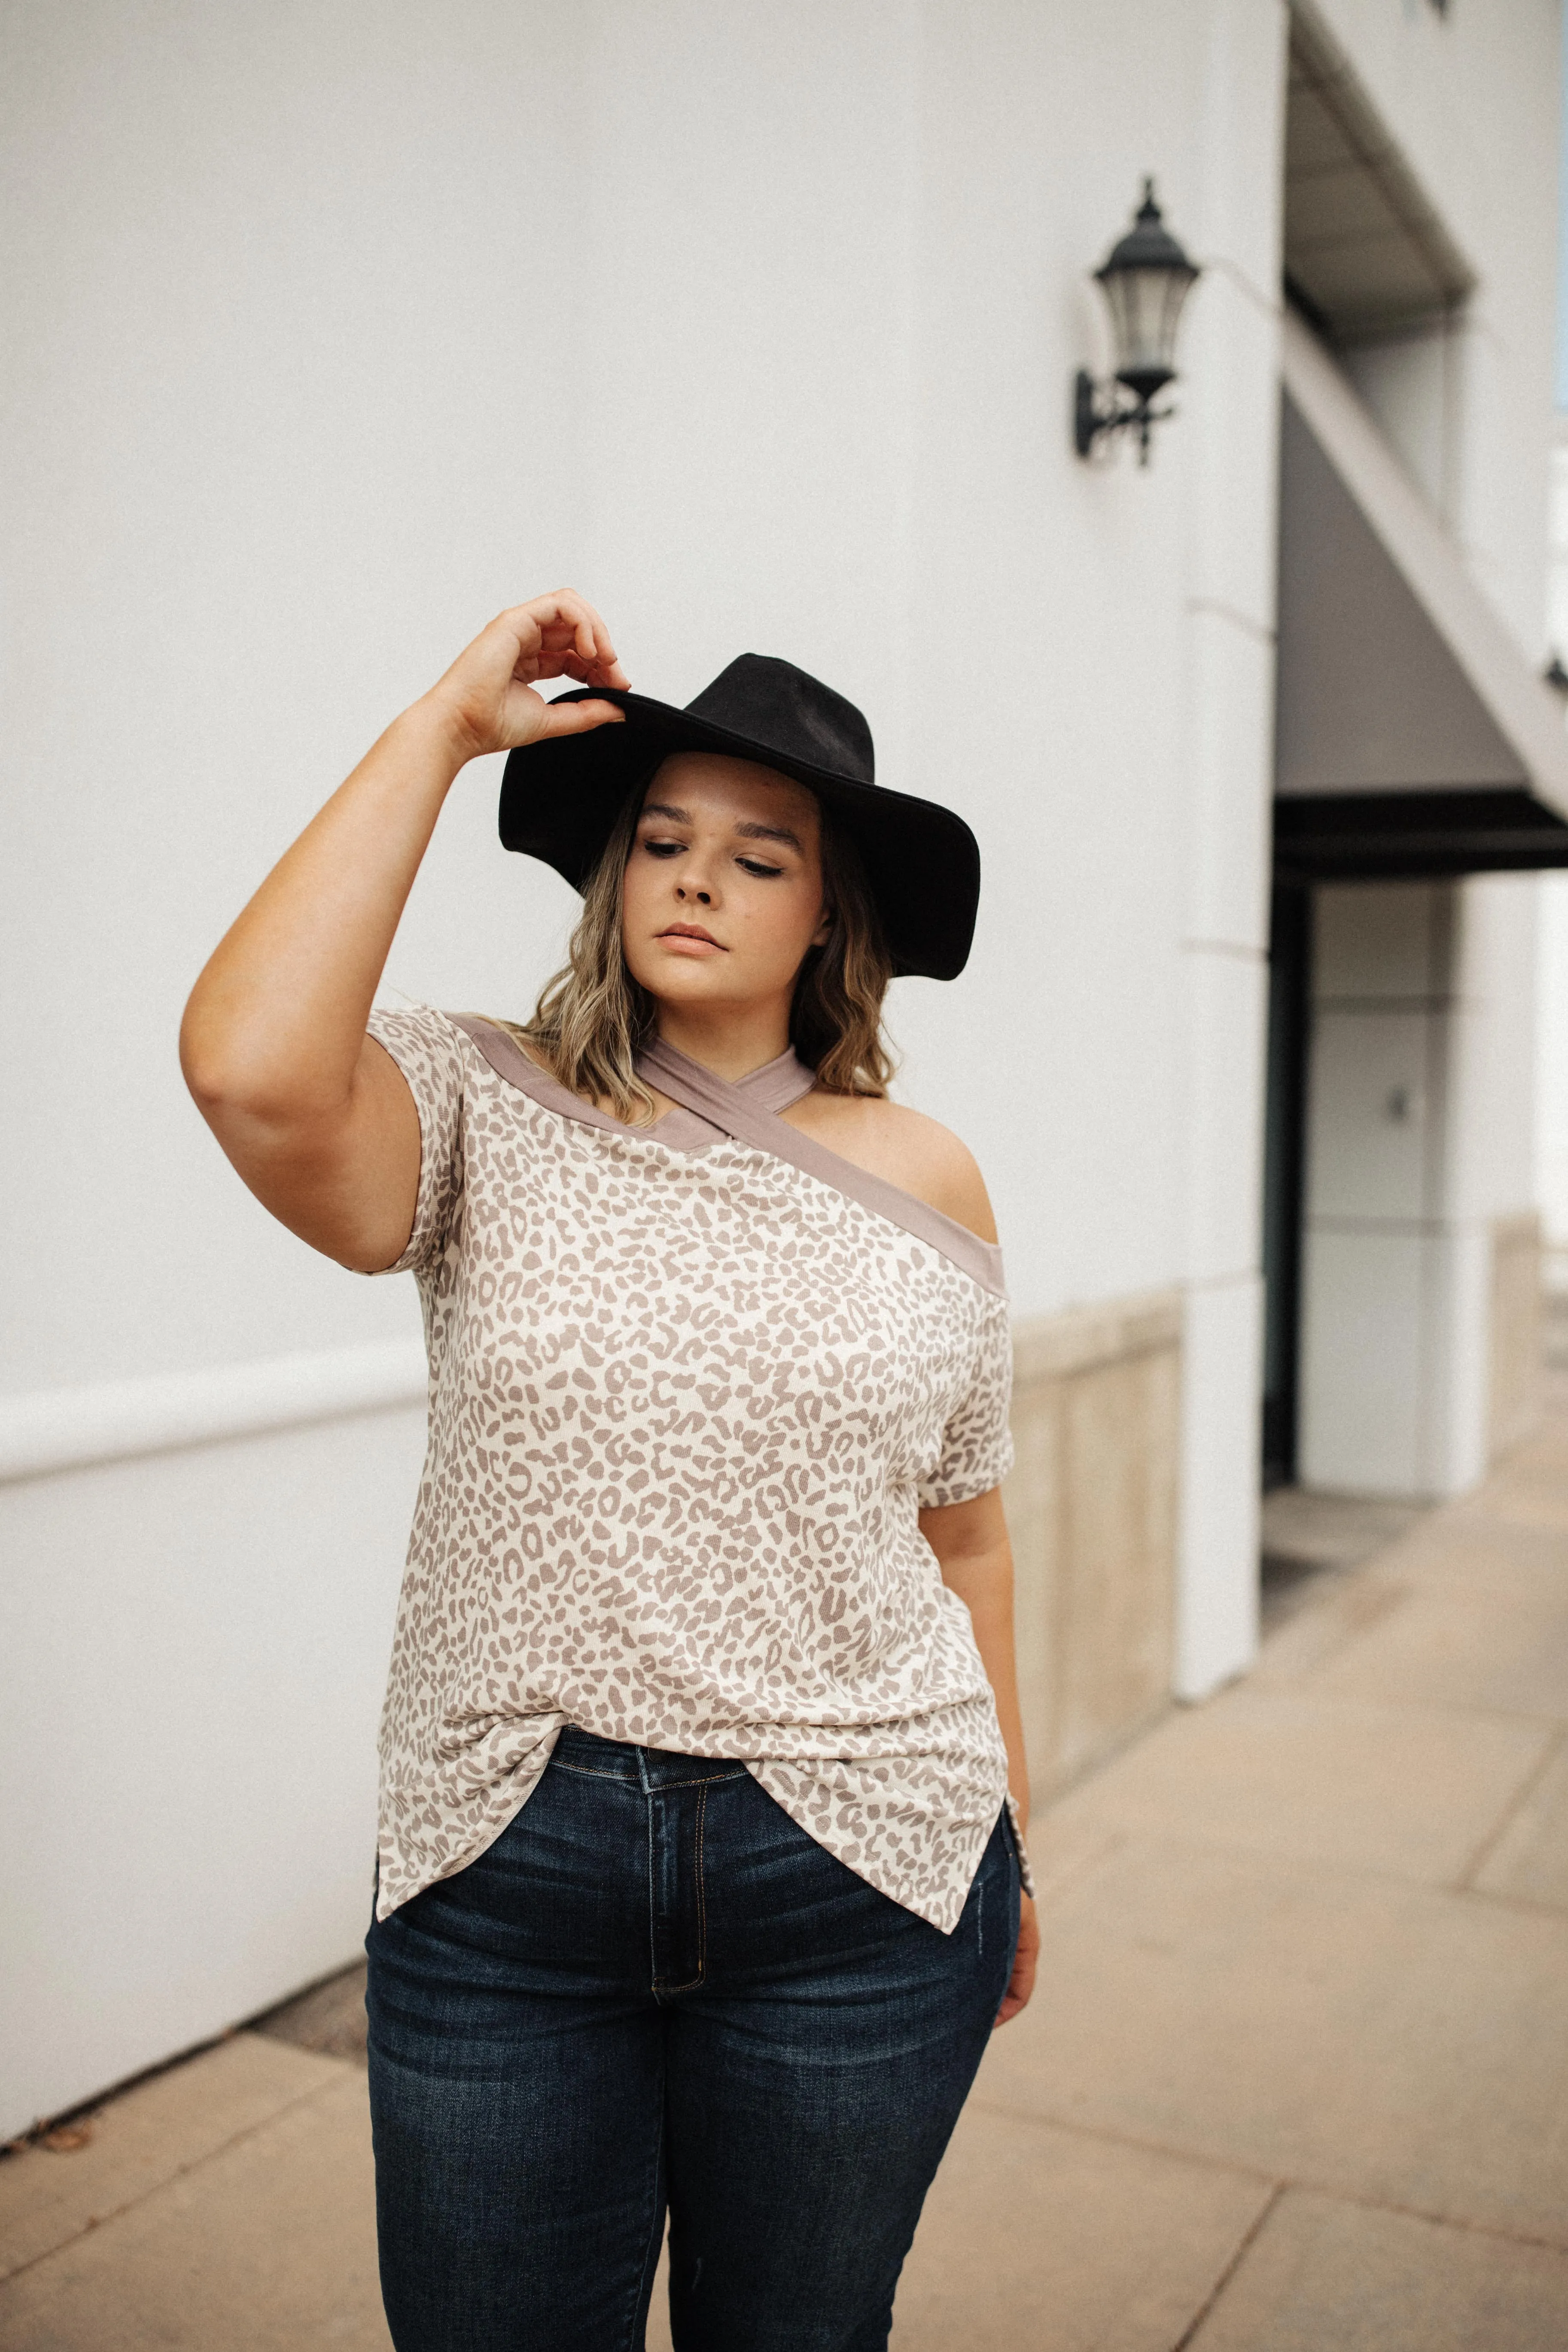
pixel 978 1443
pixel 428 1050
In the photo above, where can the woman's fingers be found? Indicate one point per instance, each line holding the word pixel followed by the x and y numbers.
pixel 576 719
pixel 548 627
pixel 572 665
pixel 486 695
pixel 1026 1956
pixel 592 645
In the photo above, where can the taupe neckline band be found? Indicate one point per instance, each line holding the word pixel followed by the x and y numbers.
pixel 748 1111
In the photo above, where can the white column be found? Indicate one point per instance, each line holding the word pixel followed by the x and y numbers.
pixel 1229 400
pixel 1419 1135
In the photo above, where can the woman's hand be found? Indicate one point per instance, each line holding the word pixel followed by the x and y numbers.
pixel 487 698
pixel 1026 1954
pixel 317 1119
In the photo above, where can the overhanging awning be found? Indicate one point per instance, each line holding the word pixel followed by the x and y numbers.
pixel 1412 736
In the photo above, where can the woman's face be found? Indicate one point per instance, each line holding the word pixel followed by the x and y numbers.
pixel 723 892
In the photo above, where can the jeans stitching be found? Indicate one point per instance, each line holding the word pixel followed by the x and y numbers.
pixel 691 1985
pixel 701 1888
pixel 704 1779
pixel 654 1985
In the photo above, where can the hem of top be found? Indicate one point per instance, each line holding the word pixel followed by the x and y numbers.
pixel 945 1919
pixel 483 1845
pixel 937 1917
pixel 1016 1823
pixel 969 1494
pixel 411 1255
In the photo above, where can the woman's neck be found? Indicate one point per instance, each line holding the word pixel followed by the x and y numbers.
pixel 730 1040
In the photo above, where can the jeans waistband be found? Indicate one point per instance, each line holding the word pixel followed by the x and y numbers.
pixel 638 1768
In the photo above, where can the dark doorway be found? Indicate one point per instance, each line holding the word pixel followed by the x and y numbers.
pixel 1284 1159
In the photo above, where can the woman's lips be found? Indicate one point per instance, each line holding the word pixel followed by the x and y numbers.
pixel 694 940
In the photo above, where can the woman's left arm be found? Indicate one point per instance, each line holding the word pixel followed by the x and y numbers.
pixel 970 1540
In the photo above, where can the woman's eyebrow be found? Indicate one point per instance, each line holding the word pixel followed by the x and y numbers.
pixel 673 815
pixel 770 832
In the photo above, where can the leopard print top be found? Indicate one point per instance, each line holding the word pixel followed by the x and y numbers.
pixel 690 1386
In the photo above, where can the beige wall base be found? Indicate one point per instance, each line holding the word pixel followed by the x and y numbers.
pixel 1091 1503
pixel 1518 1338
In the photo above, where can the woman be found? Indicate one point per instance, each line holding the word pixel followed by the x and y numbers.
pixel 697 1884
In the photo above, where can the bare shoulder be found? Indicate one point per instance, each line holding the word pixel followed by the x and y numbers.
pixel 904 1147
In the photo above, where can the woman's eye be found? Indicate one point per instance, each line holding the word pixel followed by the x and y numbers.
pixel 663 848
pixel 755 866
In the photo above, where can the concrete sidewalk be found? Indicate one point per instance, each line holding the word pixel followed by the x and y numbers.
pixel 1296 2078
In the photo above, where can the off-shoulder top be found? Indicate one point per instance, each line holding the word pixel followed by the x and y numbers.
pixel 691 1385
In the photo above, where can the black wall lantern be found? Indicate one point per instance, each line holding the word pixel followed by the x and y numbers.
pixel 1146 279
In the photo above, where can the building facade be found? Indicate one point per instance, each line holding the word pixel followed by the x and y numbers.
pixel 1552 1021
pixel 338 328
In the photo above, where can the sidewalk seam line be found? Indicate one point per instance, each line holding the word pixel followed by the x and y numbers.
pixel 1298 1685
pixel 1297 1681
pixel 1466 1882
pixel 117 2213
pixel 1307 2183
pixel 1199 2157
pixel 1362 1874
pixel 1529 1907
pixel 1249 2239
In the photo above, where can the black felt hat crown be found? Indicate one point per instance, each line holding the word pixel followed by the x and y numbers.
pixel 560 798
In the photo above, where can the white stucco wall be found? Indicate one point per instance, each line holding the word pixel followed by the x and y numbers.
pixel 330 331
pixel 302 407
pixel 340 330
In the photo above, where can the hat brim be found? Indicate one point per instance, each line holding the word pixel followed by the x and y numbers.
pixel 560 800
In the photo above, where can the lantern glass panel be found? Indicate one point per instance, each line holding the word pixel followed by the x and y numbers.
pixel 1145 308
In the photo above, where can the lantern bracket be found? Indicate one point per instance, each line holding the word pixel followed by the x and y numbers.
pixel 1145 279
pixel 1121 410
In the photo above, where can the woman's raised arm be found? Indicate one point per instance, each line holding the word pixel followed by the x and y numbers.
pixel 314 1116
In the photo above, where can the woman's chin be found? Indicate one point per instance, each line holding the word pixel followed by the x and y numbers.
pixel 688 979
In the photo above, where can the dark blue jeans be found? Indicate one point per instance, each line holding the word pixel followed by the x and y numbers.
pixel 655 1990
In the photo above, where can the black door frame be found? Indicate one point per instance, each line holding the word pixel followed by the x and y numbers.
pixel 1284 1171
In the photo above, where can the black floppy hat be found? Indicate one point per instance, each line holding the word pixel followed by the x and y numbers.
pixel 560 798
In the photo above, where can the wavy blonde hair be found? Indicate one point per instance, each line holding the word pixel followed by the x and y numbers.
pixel 592 1017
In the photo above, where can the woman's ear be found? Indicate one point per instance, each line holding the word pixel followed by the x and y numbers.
pixel 824 931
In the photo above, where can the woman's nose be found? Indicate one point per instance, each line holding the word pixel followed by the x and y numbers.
pixel 694 890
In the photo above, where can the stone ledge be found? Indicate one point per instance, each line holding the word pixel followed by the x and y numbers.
pixel 1052 1347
